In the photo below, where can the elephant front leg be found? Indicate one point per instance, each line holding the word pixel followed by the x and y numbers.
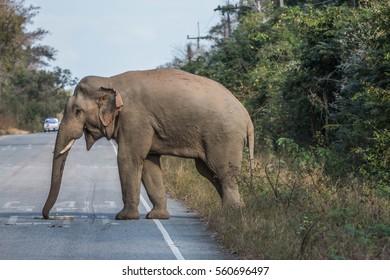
pixel 130 171
pixel 153 181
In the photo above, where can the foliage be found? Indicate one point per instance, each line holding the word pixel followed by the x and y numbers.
pixel 314 76
pixel 28 92
pixel 315 72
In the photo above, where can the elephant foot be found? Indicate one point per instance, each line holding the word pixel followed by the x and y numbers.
pixel 127 215
pixel 158 214
pixel 233 203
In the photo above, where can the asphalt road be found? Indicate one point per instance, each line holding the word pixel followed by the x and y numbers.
pixel 83 224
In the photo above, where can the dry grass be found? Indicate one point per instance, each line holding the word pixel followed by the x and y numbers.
pixel 12 131
pixel 7 126
pixel 293 213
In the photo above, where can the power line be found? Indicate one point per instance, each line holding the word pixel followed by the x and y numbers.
pixel 208 23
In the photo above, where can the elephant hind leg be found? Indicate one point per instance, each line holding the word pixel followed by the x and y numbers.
pixel 208 174
pixel 154 185
pixel 225 161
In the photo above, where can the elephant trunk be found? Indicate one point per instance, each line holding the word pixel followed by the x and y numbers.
pixel 61 151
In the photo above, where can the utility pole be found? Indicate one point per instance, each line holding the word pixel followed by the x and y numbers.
pixel 228 9
pixel 197 38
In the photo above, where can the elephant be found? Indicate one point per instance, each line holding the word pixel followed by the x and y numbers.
pixel 151 113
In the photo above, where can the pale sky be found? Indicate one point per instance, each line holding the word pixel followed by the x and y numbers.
pixel 105 38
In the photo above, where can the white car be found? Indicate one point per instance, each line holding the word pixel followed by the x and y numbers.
pixel 51 124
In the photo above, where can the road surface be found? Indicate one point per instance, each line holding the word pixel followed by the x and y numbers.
pixel 83 224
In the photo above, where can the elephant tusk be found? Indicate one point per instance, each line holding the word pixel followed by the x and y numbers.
pixel 67 148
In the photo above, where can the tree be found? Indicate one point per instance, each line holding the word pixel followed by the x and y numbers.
pixel 28 93
pixel 317 74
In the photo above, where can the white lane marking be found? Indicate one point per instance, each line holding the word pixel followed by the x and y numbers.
pixel 165 234
pixel 106 205
pixel 31 224
pixel 66 223
pixel 87 207
pixel 159 225
pixel 110 204
pixel 11 205
pixel 105 221
pixel 66 206
pixel 12 220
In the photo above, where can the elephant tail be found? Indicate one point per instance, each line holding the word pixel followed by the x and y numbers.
pixel 251 147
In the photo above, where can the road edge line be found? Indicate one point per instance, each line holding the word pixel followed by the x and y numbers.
pixel 159 225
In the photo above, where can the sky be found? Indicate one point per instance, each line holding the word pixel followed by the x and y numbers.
pixel 105 38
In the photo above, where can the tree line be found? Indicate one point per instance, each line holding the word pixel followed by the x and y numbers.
pixel 29 92
pixel 314 76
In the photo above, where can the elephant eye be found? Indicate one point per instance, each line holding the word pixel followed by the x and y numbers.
pixel 78 111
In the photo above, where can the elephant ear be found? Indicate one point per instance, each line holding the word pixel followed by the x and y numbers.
pixel 110 103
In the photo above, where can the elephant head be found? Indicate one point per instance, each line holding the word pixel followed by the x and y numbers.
pixel 93 110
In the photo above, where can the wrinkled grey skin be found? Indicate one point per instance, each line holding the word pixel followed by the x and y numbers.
pixel 153 113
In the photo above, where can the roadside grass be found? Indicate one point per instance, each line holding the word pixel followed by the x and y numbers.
pixel 7 126
pixel 292 212
pixel 12 131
